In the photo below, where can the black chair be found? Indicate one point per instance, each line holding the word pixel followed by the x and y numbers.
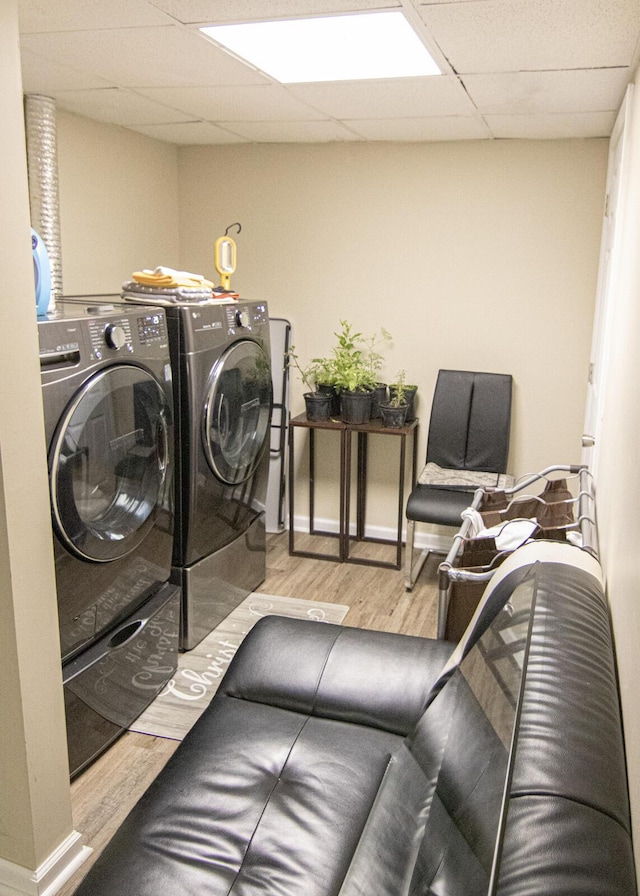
pixel 467 448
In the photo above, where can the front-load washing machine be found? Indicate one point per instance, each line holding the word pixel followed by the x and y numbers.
pixel 108 409
pixel 223 397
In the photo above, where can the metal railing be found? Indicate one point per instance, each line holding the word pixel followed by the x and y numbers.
pixel 584 527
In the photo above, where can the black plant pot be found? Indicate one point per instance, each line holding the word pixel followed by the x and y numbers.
pixel 409 397
pixel 318 405
pixel 378 396
pixel 392 416
pixel 355 407
pixel 331 390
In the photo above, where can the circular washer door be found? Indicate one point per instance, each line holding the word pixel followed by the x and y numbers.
pixel 237 412
pixel 108 463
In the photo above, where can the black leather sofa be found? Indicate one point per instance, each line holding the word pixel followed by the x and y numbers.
pixel 342 761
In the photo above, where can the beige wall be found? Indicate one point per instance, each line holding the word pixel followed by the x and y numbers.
pixel 478 255
pixel 35 807
pixel 118 204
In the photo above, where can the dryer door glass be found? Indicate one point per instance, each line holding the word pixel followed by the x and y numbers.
pixel 108 464
pixel 237 412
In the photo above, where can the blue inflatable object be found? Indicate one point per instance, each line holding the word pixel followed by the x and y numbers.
pixel 41 273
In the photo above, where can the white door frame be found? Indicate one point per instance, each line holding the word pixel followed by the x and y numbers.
pixel 607 282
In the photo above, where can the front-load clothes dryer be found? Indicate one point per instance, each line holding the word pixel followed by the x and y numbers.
pixel 223 399
pixel 108 409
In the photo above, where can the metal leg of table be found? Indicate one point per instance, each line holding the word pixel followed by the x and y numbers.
pixel 361 502
pixel 403 457
pixel 317 555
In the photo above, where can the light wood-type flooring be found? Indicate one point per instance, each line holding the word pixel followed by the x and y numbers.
pixel 107 790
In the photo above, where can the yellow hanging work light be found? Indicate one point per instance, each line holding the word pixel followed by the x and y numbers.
pixel 225 257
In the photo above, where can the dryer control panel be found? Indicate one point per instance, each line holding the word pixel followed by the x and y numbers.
pixel 152 328
pixel 245 316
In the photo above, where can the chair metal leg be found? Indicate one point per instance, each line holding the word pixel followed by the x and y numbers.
pixel 411 570
pixel 408 554
pixel 443 609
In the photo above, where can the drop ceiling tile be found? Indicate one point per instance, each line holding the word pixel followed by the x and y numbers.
pixel 269 102
pixel 397 98
pixel 42 76
pixel 532 35
pixel 590 90
pixel 189 133
pixel 447 127
pixel 218 11
pixel 84 15
pixel 291 131
pixel 135 57
pixel 552 127
pixel 520 58
pixel 116 106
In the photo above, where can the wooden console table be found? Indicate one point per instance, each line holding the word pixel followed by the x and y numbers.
pixel 344 537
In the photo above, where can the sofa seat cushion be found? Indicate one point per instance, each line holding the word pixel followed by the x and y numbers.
pixel 272 788
pixel 258 799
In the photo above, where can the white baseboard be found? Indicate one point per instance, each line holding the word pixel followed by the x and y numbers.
pixel 437 543
pixel 50 876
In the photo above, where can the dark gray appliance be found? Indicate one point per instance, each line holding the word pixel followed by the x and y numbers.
pixel 223 397
pixel 108 411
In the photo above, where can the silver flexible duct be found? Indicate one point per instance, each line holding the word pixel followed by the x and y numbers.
pixel 42 164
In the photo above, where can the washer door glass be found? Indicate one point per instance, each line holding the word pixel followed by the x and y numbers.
pixel 108 463
pixel 237 412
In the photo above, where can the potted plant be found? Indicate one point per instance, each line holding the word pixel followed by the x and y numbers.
pixel 353 376
pixel 325 378
pixel 317 403
pixel 394 411
pixel 409 391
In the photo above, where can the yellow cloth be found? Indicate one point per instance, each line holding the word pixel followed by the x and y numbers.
pixel 168 278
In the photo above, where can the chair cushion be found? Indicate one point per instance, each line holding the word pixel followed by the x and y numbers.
pixel 433 474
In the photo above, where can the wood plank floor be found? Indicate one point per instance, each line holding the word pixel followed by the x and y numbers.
pixel 104 794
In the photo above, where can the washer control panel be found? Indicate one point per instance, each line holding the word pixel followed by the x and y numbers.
pixel 112 334
pixel 127 333
pixel 81 334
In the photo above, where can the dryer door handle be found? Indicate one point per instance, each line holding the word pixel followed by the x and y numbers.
pixel 163 444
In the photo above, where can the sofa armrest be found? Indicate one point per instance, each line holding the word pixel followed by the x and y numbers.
pixel 379 679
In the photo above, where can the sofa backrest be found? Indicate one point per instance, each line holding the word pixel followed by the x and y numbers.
pixel 435 823
pixel 465 811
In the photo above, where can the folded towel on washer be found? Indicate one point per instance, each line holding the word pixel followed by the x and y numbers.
pixel 169 294
pixel 168 278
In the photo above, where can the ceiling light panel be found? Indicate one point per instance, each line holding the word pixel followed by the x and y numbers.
pixel 329 48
